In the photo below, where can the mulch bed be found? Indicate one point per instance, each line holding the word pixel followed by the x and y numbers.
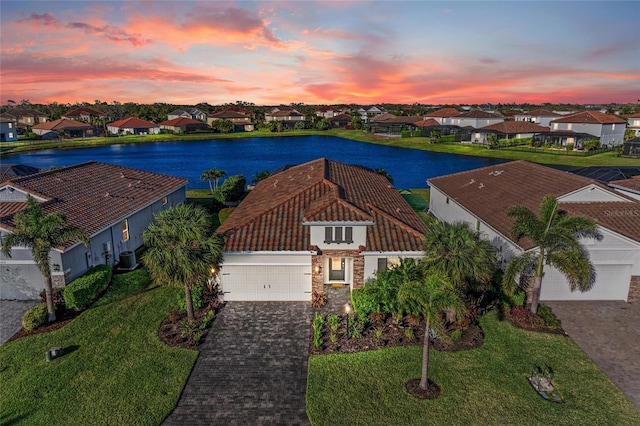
pixel 527 320
pixel 172 334
pixel 431 392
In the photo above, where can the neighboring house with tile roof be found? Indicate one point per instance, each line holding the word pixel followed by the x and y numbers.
pixel 327 112
pixel 27 116
pixel 314 225
pixel 507 130
pixel 188 112
pixel 633 123
pixel 10 171
pixel 113 204
pixel 284 114
pixel 242 121
pixel 631 148
pixel 86 115
pixel 64 127
pixel 541 116
pixel 8 128
pixel 482 197
pixel 443 116
pixel 183 124
pixel 609 129
pixel 133 126
pixel 341 120
pixel 476 119
pixel 630 187
pixel 368 112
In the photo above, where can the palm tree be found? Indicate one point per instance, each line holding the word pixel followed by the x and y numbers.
pixel 213 175
pixel 460 253
pixel 41 233
pixel 429 297
pixel 386 174
pixel 557 236
pixel 182 250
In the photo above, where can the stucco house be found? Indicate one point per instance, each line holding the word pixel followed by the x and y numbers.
pixel 476 119
pixel 133 126
pixel 113 204
pixel 541 116
pixel 443 116
pixel 327 112
pixel 64 127
pixel 86 115
pixel 242 121
pixel 183 124
pixel 507 130
pixel 609 129
pixel 284 114
pixel 368 112
pixel 8 128
pixel 482 197
pixel 27 116
pixel 313 225
pixel 633 123
pixel 188 112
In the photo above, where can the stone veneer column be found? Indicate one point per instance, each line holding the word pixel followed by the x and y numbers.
pixel 57 281
pixel 634 289
pixel 317 282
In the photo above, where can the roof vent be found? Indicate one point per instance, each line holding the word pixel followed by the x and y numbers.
pixel 481 185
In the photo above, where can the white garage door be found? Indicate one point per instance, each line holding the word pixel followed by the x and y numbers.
pixel 259 282
pixel 612 284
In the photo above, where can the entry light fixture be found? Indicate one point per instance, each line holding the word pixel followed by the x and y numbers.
pixel 317 269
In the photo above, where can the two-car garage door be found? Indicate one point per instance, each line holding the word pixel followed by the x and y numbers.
pixel 612 283
pixel 266 282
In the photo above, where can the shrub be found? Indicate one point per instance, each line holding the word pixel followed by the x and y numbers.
pixel 548 316
pixel 517 299
pixel 318 299
pixel 83 290
pixel 456 334
pixel 591 144
pixel 405 133
pixel 197 292
pixel 318 323
pixel 300 125
pixel 35 317
pixel 569 147
pixel 363 303
pixel 334 322
pixel 58 296
pixel 224 214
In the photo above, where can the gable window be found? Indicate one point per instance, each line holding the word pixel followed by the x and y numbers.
pixel 338 234
pixel 125 230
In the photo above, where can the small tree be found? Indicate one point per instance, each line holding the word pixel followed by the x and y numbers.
pixel 213 175
pixel 231 190
pixel 261 176
pixel 557 236
pixel 182 249
pixel 41 233
pixel 429 297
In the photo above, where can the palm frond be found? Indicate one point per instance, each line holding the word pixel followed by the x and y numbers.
pixel 520 266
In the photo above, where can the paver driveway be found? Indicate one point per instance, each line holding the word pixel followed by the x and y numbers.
pixel 252 369
pixel 609 332
pixel 11 312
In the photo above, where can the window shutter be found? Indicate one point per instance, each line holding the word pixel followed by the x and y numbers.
pixel 338 234
pixel 382 263
pixel 348 234
pixel 328 235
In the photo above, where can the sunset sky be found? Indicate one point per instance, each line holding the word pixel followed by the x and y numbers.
pixel 328 52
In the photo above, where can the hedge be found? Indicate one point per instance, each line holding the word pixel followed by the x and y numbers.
pixel 35 317
pixel 232 189
pixel 83 290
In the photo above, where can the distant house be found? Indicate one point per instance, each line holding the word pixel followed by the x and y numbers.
pixel 609 129
pixel 64 127
pixel 10 171
pixel 242 121
pixel 629 187
pixel 631 148
pixel 633 123
pixel 341 120
pixel 327 112
pixel 8 128
pixel 368 112
pixel 113 204
pixel 482 197
pixel 27 116
pixel 541 117
pixel 388 123
pixel 507 130
pixel 314 225
pixel 476 119
pixel 188 112
pixel 183 124
pixel 443 116
pixel 86 115
pixel 284 114
pixel 133 126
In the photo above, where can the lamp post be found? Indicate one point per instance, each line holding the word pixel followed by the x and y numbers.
pixel 347 311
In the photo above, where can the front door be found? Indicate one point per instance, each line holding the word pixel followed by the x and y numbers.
pixel 336 268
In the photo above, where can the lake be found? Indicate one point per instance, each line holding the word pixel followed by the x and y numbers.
pixel 409 168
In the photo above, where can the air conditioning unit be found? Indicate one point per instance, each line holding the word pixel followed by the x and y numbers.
pixel 127 260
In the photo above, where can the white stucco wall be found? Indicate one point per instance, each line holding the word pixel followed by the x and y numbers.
pixel 359 236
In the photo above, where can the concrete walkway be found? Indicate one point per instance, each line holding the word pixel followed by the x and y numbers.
pixel 252 369
pixel 11 312
pixel 609 332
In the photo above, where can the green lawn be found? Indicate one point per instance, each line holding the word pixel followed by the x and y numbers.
pixel 115 371
pixel 484 386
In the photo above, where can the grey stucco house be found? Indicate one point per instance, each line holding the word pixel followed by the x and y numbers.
pixel 113 204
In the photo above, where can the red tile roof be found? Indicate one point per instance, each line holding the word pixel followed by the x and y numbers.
pixel 478 113
pixel 632 185
pixel 94 195
pixel 132 122
pixel 229 113
pixel 180 121
pixel 489 192
pixel 62 124
pixel 445 112
pixel 78 112
pixel 541 113
pixel 509 127
pixel 593 117
pixel 623 218
pixel 427 123
pixel 271 217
